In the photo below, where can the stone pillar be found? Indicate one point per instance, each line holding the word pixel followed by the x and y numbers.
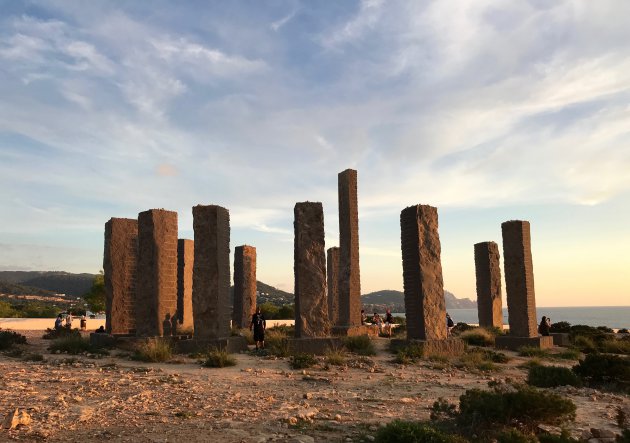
pixel 311 307
pixel 211 272
pixel 519 278
pixel 349 273
pixel 119 263
pixel 156 300
pixel 185 260
pixel 488 273
pixel 332 264
pixel 422 273
pixel 244 286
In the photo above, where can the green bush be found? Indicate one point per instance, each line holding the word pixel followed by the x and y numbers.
pixel 560 326
pixel 478 337
pixel 408 354
pixel 494 356
pixel 615 346
pixel 476 360
pixel 568 354
pixel 584 343
pixel 622 331
pixel 8 339
pixel 302 361
pixel 552 376
pixel 277 342
pixel 461 327
pixel 564 437
pixel 154 350
pixel 218 358
pixel 336 357
pixel 64 331
pixel 399 431
pixel 360 344
pixel 515 436
pixel 605 329
pixel 604 368
pixel 484 409
pixel 71 344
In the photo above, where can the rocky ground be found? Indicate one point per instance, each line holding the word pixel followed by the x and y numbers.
pixel 260 399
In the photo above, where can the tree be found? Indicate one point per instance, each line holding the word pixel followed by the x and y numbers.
pixel 95 298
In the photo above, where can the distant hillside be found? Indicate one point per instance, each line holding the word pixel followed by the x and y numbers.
pixel 56 281
pixel 267 293
pixel 18 289
pixel 396 300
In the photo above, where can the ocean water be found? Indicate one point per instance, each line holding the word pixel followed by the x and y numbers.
pixel 615 317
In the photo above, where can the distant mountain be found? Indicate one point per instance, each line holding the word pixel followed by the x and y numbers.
pixel 56 281
pixel 8 288
pixel 396 300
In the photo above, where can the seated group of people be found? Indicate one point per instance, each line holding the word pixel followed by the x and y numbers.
pixel 383 325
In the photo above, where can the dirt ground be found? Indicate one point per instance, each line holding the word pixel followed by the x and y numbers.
pixel 83 399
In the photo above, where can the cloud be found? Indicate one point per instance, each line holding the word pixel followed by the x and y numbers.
pixel 276 25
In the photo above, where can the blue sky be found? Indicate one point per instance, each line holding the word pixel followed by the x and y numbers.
pixel 488 110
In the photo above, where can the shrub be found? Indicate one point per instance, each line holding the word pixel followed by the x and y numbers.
pixel 605 329
pixel 584 343
pixel 52 334
pixel 615 346
pixel 515 436
pixel 494 356
pixel 71 344
pixel 532 351
pixel 154 350
pixel 552 376
pixel 399 431
pixel 336 357
pixel 604 368
pixel 461 327
pixel 624 437
pixel 8 339
pixel 276 342
pixel 475 360
pixel 483 409
pixel 408 354
pixel 564 437
pixel 560 326
pixel 33 357
pixel 568 354
pixel 622 331
pixel 478 337
pixel 302 361
pixel 360 344
pixel 218 358
pixel 588 331
pixel 442 409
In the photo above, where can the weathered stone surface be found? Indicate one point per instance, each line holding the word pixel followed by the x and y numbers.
pixel 185 262
pixel 311 306
pixel 332 264
pixel 211 272
pixel 233 344
pixel 561 339
pixel 450 346
pixel 514 343
pixel 120 260
pixel 244 286
pixel 488 273
pixel 156 286
pixel 422 273
pixel 349 271
pixel 314 345
pixel 519 278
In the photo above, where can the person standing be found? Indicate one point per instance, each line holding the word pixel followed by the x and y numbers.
pixel 258 325
pixel 389 321
pixel 450 324
pixel 543 327
pixel 69 320
pixel 83 323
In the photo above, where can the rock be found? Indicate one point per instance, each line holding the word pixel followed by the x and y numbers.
pixel 370 438
pixel 16 418
pixel 308 395
pixel 337 417
pixel 602 433
pixel 302 439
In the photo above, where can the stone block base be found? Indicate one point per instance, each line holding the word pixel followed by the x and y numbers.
pixel 451 347
pixel 314 345
pixel 353 331
pixel 561 339
pixel 232 345
pixel 514 343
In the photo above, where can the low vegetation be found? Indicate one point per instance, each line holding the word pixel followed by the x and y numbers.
pixel 153 350
pixel 597 369
pixel 277 342
pixel 74 344
pixel 64 331
pixel 360 344
pixel 399 431
pixel 552 376
pixel 218 358
pixel 532 351
pixel 478 337
pixel 408 354
pixel 302 361
pixel 476 360
pixel 336 357
pixel 8 339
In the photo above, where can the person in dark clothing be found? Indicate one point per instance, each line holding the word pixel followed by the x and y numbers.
pixel 100 330
pixel 543 327
pixel 450 324
pixel 389 321
pixel 258 325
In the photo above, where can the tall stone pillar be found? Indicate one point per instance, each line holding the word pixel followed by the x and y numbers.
pixel 519 286
pixel 349 272
pixel 185 260
pixel 311 307
pixel 119 263
pixel 156 300
pixel 425 307
pixel 332 264
pixel 488 273
pixel 519 278
pixel 244 286
pixel 211 272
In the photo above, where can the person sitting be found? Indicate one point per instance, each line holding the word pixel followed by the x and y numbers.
pixel 58 322
pixel 543 327
pixel 377 322
pixel 100 330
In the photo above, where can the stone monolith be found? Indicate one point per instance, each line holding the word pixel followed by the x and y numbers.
pixel 244 286
pixel 332 264
pixel 185 262
pixel 120 260
pixel 488 276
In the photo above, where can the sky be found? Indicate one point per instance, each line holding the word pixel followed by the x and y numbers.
pixel 488 110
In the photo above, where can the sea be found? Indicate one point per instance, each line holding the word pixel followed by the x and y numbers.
pixel 615 317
